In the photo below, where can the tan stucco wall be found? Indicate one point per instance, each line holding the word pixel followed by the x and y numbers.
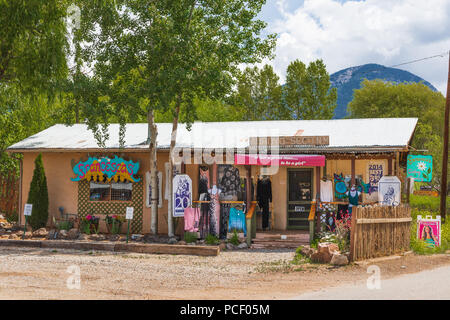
pixel 64 192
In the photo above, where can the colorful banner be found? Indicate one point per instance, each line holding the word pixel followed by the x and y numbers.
pixel 112 169
pixel 420 168
pixel 294 160
pixel 429 230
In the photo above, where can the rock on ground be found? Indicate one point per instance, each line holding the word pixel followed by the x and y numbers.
pixel 339 259
pixel 73 234
pixel 42 232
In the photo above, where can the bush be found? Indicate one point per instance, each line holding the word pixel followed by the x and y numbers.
pixel 64 225
pixel 234 239
pixel 38 196
pixel 211 239
pixel 190 237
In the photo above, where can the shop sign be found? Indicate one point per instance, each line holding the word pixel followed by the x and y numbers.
pixel 389 191
pixel 290 141
pixel 429 230
pixel 28 209
pixel 375 174
pixel 294 160
pixel 420 168
pixel 129 213
pixel 111 168
pixel 182 194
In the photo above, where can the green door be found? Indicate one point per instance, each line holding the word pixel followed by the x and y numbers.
pixel 300 193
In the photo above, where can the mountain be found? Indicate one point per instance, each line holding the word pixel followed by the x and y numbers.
pixel 347 80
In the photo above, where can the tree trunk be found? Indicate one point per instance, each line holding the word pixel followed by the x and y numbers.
pixel 173 139
pixel 153 132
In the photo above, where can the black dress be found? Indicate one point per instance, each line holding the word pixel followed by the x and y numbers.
pixel 264 197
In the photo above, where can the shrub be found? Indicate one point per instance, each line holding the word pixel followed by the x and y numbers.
pixel 64 225
pixel 234 239
pixel 211 239
pixel 38 196
pixel 190 237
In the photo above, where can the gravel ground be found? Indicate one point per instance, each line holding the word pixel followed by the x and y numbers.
pixel 27 273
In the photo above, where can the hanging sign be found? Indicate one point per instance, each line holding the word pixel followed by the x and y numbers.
pixel 27 210
pixel 389 190
pixel 113 169
pixel 420 168
pixel 290 141
pixel 182 194
pixel 429 230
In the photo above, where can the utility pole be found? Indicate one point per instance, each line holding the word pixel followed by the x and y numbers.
pixel 443 208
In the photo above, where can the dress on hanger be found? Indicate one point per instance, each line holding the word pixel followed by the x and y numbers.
pixel 264 197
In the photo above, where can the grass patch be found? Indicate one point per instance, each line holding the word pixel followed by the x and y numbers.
pixel 212 240
pixel 234 238
pixel 190 237
pixel 427 203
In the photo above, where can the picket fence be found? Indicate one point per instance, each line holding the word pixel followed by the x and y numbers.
pixel 9 194
pixel 379 231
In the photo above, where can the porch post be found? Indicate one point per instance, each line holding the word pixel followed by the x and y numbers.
pixel 353 170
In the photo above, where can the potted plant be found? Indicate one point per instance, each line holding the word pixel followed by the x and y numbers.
pixel 89 224
pixel 114 223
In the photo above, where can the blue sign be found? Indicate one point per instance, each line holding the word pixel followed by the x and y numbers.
pixel 420 168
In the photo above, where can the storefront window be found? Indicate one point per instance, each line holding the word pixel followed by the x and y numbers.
pixel 99 191
pixel 121 191
pixel 115 191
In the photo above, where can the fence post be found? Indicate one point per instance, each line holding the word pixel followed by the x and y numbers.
pixel 352 233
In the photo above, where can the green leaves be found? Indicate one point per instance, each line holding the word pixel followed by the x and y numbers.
pixel 379 98
pixel 306 95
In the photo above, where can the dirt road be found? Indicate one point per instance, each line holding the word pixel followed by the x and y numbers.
pixel 27 273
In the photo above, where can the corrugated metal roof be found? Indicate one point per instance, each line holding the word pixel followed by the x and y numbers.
pixel 343 133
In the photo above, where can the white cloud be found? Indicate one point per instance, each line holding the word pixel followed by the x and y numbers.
pixel 351 33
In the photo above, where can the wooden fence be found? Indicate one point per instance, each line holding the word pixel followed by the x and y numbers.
pixel 379 231
pixel 9 194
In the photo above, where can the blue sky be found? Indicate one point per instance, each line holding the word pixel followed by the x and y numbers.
pixel 349 33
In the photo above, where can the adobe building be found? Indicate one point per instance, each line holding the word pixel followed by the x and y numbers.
pixel 296 155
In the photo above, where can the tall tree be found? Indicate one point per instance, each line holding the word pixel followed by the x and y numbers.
pixel 38 195
pixel 168 53
pixel 378 99
pixel 258 94
pixel 32 42
pixel 308 93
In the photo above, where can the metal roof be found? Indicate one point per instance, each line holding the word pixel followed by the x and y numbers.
pixel 377 133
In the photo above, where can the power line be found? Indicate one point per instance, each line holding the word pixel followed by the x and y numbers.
pixel 422 59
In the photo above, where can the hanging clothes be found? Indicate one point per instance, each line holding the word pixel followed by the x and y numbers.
pixel 353 198
pixel 237 221
pixel 191 219
pixel 229 182
pixel 203 183
pixel 224 217
pixel 326 191
pixel 204 221
pixel 214 211
pixel 264 197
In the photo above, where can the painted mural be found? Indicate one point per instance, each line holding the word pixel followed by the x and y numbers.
pixel 112 169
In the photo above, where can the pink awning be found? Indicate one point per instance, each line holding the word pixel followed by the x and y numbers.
pixel 295 160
